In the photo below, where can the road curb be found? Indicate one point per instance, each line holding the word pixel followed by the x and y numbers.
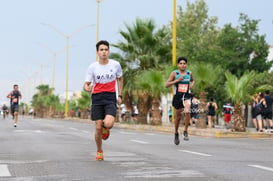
pixel 214 132
pixel 217 133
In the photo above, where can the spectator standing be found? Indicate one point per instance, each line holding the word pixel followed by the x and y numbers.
pixel 23 111
pixel 123 111
pixel 71 113
pixel 259 106
pixel 134 112
pixel 253 115
pixel 268 110
pixel 227 111
pixel 211 108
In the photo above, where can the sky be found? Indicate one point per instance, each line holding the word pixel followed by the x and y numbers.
pixel 32 31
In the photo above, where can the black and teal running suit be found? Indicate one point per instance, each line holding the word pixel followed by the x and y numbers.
pixel 182 90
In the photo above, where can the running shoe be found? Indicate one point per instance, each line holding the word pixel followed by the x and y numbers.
pixel 15 125
pixel 176 139
pixel 186 136
pixel 105 133
pixel 99 156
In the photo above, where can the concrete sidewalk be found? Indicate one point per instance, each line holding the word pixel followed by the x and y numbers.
pixel 217 132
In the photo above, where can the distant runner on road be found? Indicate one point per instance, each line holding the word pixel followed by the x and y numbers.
pixel 14 97
pixel 182 80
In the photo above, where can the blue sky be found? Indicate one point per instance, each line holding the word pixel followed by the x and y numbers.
pixel 25 42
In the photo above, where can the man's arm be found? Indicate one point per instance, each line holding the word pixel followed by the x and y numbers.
pixel 120 85
pixel 87 86
pixel 9 95
pixel 216 107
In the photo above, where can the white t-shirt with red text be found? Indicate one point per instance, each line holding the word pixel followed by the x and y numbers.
pixel 103 78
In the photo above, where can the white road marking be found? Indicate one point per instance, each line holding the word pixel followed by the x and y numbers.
pixel 196 153
pixel 38 131
pixel 123 132
pixel 138 141
pixel 21 161
pixel 262 167
pixel 85 131
pixel 26 131
pixel 150 134
pixel 75 129
pixel 4 171
pixel 164 173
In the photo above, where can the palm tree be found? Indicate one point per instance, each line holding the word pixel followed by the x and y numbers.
pixel 205 75
pixel 23 107
pixel 42 100
pixel 240 90
pixel 143 48
pixel 55 107
pixel 152 83
pixel 129 75
pixel 84 103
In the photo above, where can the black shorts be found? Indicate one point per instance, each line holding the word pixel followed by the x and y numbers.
pixel 98 112
pixel 267 115
pixel 14 108
pixel 211 113
pixel 178 100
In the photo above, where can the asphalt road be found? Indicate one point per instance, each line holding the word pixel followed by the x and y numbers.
pixel 55 150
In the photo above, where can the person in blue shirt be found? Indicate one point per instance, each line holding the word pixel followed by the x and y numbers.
pixel 182 80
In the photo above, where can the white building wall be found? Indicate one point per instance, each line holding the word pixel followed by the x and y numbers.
pixel 166 102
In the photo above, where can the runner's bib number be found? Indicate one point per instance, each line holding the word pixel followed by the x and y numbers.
pixel 183 88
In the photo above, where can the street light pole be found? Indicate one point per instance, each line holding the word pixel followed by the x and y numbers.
pixel 67 37
pixel 54 62
pixel 97 31
pixel 174 34
pixel 98 17
pixel 54 70
pixel 66 87
pixel 174 46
